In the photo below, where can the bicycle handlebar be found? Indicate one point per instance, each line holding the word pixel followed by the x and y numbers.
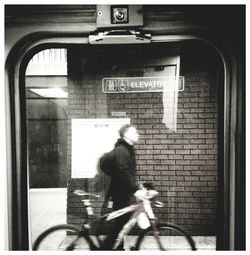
pixel 141 194
pixel 83 193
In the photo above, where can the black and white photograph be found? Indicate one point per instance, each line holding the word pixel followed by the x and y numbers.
pixel 124 127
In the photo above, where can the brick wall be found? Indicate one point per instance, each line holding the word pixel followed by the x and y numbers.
pixel 182 165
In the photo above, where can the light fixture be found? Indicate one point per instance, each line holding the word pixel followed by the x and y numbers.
pixel 50 92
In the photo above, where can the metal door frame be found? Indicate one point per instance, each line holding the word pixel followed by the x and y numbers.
pixel 16 64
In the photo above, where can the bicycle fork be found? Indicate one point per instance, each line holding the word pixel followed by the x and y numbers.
pixel 156 233
pixel 153 221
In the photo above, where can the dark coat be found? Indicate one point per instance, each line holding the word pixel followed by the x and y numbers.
pixel 123 178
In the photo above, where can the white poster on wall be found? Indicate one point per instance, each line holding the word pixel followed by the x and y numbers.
pixel 90 139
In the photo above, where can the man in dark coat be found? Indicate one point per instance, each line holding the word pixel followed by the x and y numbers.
pixel 123 178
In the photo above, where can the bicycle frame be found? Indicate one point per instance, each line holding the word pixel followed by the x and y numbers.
pixel 144 206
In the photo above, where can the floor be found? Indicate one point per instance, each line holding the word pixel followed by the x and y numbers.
pixel 48 207
pixel 201 243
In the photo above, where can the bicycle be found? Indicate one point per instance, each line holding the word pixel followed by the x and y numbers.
pixel 72 238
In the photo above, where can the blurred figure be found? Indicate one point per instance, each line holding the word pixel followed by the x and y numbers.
pixel 123 179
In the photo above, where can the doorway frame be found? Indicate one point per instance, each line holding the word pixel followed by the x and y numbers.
pixel 17 173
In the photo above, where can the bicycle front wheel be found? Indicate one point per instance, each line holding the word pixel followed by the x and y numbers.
pixel 171 237
pixel 61 238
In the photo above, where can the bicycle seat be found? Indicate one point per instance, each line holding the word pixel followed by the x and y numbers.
pixel 80 192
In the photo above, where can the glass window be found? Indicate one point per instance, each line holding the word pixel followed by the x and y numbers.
pixel 169 93
pixel 47 107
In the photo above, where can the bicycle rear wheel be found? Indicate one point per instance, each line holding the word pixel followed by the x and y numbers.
pixel 171 237
pixel 60 238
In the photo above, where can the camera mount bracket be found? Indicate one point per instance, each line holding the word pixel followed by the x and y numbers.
pixel 119 16
pixel 120 37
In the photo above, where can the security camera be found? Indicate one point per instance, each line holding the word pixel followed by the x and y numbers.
pixel 119 14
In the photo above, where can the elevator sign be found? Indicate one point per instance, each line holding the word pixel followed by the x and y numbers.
pixel 142 84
